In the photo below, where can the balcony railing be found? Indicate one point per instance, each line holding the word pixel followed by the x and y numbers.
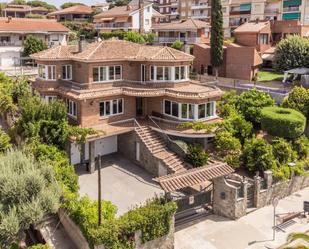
pixel 271 11
pixel 116 25
pixel 291 9
pixel 10 44
pixel 200 16
pixel 190 40
pixel 200 6
pixel 174 13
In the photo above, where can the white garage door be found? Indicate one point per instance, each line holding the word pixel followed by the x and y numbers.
pixel 103 146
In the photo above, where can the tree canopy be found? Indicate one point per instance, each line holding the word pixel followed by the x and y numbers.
pixel 70 4
pixel 298 99
pixel 217 36
pixel 33 45
pixel 28 191
pixel 292 52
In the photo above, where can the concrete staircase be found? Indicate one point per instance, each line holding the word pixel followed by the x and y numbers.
pixel 157 146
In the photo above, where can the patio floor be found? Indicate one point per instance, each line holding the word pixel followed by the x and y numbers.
pixel 123 183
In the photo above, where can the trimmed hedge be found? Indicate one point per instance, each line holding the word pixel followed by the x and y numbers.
pixel 283 122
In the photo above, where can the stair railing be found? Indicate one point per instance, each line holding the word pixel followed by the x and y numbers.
pixel 161 130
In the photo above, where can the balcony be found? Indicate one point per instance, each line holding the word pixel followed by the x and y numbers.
pixel 200 6
pixel 271 11
pixel 190 40
pixel 174 13
pixel 10 44
pixel 119 25
pixel 200 16
pixel 291 9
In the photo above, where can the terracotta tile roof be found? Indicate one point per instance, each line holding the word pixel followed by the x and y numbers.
pixel 121 10
pixel 189 24
pixel 57 53
pixel 252 27
pixel 117 50
pixel 31 25
pixel 194 176
pixel 77 9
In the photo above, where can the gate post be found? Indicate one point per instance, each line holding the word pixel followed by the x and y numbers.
pixel 257 189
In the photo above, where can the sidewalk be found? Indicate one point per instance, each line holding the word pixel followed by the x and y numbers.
pixel 254 231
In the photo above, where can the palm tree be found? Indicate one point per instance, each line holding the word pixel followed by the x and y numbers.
pixel 294 236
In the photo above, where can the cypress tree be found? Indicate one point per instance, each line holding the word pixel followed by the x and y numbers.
pixel 216 39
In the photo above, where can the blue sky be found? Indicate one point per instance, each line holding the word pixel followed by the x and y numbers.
pixel 59 2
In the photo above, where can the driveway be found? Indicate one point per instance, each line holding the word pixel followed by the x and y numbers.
pixel 123 183
pixel 254 231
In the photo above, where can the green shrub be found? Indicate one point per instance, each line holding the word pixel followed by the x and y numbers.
pixel 4 141
pixel 283 122
pixel 39 246
pixel 250 103
pixel 298 99
pixel 118 33
pixel 281 172
pixel 177 45
pixel 228 147
pixel 33 45
pixel 258 155
pixel 301 146
pixel 283 151
pixel 134 37
pixel 196 155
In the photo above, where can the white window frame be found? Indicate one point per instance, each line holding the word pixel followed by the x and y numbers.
pixel 67 68
pixel 172 73
pixel 108 78
pixel 45 69
pixel 49 98
pixel 71 108
pixel 195 110
pixel 111 108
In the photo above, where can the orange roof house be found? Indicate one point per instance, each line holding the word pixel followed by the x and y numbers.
pixel 74 13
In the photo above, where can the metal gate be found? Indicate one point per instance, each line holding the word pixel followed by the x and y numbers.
pixel 250 195
pixel 200 199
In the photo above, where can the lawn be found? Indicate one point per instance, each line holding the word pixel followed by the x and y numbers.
pixel 269 76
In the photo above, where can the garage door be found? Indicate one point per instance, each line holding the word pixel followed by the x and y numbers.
pixel 103 146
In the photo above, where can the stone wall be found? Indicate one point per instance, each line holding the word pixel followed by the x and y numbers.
pixel 230 200
pixel 226 199
pixel 73 230
pixel 127 146
pixel 164 242
pixel 279 189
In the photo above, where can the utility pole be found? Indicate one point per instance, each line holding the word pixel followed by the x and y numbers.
pixel 99 191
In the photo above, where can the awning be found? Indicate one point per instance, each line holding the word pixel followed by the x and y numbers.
pixel 300 70
pixel 107 18
pixel 195 176
pixel 121 19
pixel 268 57
pixel 245 7
pixel 289 3
pixel 291 16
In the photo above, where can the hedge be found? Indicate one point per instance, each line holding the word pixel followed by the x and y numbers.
pixel 283 122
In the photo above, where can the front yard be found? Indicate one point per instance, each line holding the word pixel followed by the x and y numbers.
pixel 269 76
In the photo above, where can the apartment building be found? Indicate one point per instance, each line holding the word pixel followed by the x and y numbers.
pixel 21 11
pixel 134 16
pixel 13 32
pixel 236 12
pixel 130 94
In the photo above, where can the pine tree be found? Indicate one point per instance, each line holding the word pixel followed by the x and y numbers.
pixel 216 39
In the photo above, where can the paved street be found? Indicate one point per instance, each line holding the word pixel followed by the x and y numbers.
pixel 253 231
pixel 123 183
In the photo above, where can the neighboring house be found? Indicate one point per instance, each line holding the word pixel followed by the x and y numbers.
pixel 21 11
pixel 254 34
pixel 114 85
pixel 100 6
pixel 281 29
pixel 168 8
pixel 77 13
pixel 13 32
pixel 190 31
pixel 239 62
pixel 134 16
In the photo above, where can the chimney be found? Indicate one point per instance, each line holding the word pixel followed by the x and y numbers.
pixel 141 16
pixel 9 19
pixel 256 20
pixel 81 44
pixel 129 7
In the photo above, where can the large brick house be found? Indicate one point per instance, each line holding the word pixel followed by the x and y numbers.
pixel 132 94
